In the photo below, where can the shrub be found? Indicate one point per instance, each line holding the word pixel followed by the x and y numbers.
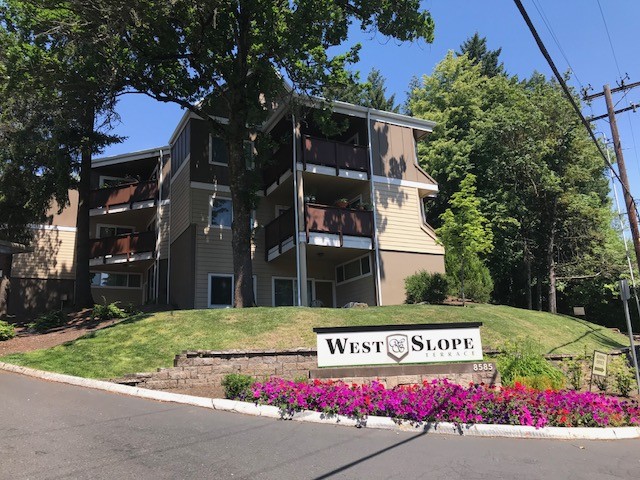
pixel 49 320
pixel 7 331
pixel 622 375
pixel 478 283
pixel 601 382
pixel 108 311
pixel 575 373
pixel 237 386
pixel 524 364
pixel 426 287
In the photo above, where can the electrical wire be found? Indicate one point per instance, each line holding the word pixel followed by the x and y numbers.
pixel 563 84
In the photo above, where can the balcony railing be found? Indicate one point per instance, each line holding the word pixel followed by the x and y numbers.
pixel 319 219
pixel 127 244
pixel 279 231
pixel 281 162
pixel 123 194
pixel 333 154
pixel 341 221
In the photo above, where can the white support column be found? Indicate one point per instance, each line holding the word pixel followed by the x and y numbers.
pixel 298 205
pixel 372 189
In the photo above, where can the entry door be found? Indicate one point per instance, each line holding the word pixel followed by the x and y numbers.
pixel 324 293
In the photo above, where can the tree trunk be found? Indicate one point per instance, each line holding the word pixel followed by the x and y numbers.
pixel 462 280
pixel 241 228
pixel 550 261
pixel 539 292
pixel 527 265
pixel 83 296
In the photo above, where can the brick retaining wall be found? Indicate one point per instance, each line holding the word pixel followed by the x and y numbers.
pixel 205 368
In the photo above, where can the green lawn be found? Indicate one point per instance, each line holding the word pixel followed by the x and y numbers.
pixel 147 342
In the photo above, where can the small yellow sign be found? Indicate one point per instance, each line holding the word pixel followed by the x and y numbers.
pixel 599 364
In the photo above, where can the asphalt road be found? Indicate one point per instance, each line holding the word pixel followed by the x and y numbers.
pixel 50 430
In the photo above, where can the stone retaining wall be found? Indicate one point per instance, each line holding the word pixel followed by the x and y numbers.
pixel 205 368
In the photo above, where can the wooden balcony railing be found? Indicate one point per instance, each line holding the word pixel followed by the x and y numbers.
pixel 319 219
pixel 341 221
pixel 127 244
pixel 123 194
pixel 279 231
pixel 281 162
pixel 333 154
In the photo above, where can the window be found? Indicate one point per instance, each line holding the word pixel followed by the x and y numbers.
pixel 355 202
pixel 221 212
pixel 114 279
pixel 181 148
pixel 104 231
pixel 358 268
pixel 220 290
pixel 218 154
pixel 285 291
pixel 107 181
pixel 249 148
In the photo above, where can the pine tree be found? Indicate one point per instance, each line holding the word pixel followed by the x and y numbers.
pixel 476 49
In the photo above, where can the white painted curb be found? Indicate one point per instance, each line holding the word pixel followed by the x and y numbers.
pixel 383 423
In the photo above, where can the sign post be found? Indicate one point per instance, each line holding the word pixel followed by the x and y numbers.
pixel 625 294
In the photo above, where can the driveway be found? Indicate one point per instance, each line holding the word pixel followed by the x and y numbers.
pixel 51 430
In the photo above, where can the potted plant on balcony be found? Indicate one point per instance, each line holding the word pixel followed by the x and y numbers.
pixel 365 206
pixel 309 199
pixel 341 203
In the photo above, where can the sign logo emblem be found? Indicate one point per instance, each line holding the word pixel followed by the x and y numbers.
pixel 397 346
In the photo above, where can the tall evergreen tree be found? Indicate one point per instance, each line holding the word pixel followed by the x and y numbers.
pixel 73 64
pixel 476 49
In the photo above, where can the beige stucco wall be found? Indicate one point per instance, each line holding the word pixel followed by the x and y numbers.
pixel 396 266
pixel 399 221
pixel 53 255
pixel 360 290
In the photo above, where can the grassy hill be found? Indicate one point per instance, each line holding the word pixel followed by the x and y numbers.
pixel 146 342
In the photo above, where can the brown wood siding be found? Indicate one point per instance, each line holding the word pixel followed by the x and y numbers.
pixel 180 203
pixel 360 290
pixel 201 169
pixel 399 221
pixel 182 269
pixel 394 153
pixel 68 216
pixel 396 266
pixel 53 256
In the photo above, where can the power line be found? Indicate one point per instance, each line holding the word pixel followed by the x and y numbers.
pixel 615 59
pixel 565 88
pixel 606 28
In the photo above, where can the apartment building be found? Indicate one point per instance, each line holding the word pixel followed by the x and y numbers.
pixel 340 219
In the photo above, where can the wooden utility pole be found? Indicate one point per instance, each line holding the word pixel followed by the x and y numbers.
pixel 622 170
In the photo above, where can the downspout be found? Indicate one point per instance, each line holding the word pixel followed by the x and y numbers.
pixel 156 272
pixel 169 236
pixel 372 189
pixel 296 237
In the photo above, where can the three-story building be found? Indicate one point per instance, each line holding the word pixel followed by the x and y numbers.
pixel 340 219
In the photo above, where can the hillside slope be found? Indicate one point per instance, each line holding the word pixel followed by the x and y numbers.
pixel 147 342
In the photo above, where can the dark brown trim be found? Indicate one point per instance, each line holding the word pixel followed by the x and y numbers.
pixel 411 326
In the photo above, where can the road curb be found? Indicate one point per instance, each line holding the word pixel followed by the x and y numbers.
pixel 383 423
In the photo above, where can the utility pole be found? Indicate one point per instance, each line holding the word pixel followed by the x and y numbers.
pixel 622 169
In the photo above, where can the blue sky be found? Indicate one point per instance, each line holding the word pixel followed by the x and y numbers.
pixel 577 25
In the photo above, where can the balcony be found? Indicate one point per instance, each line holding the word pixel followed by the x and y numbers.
pixel 122 248
pixel 324 226
pixel 320 156
pixel 338 156
pixel 123 197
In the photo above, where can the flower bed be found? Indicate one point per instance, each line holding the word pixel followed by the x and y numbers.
pixel 441 401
